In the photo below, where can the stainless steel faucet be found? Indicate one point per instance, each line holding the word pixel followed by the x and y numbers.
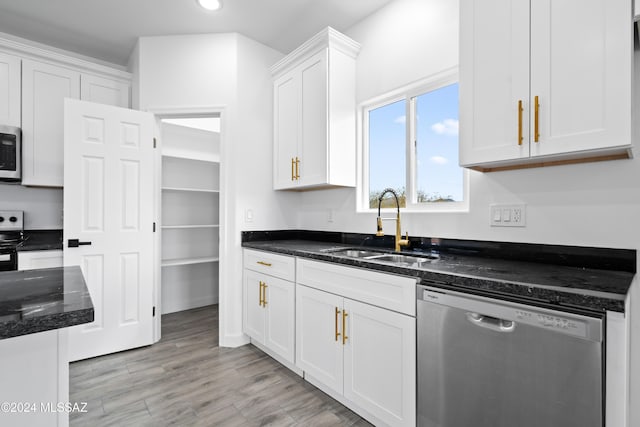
pixel 399 241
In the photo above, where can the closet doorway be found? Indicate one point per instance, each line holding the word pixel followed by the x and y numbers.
pixel 190 220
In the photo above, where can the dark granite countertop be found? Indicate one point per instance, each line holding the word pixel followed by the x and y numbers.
pixel 575 287
pixel 41 300
pixel 41 240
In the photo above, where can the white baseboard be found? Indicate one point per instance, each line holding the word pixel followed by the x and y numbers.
pixel 233 341
pixel 187 304
pixel 279 359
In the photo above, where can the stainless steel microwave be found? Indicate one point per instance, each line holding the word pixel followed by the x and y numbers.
pixel 10 153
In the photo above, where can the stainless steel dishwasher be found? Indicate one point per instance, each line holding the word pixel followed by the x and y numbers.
pixel 490 363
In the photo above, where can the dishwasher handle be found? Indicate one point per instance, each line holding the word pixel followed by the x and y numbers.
pixel 493 323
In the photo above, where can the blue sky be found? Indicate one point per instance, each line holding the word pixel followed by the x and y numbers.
pixel 437 144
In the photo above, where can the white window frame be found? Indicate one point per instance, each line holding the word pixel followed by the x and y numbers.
pixel 409 92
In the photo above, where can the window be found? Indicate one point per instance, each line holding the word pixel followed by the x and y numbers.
pixel 411 145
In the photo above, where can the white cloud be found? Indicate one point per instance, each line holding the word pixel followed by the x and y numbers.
pixel 446 127
pixel 401 120
pixel 439 160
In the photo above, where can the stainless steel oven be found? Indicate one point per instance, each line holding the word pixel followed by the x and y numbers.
pixel 11 237
pixel 10 153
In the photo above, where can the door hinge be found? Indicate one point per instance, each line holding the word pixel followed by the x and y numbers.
pixel 154 227
pixel 154 311
pixel 154 143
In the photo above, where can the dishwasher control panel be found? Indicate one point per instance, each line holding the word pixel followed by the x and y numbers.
pixel 486 312
pixel 551 321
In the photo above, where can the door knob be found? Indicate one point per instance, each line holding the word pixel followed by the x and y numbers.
pixel 74 243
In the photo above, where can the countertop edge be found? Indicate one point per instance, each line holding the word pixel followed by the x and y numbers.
pixel 560 297
pixel 16 328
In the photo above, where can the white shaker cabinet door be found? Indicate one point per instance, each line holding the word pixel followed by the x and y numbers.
pixel 319 346
pixel 313 142
pixel 9 90
pixel 105 91
pixel 254 316
pixel 581 72
pixel 286 118
pixel 494 80
pixel 44 88
pixel 380 362
pixel 279 307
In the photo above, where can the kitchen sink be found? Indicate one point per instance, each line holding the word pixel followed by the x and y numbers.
pixel 404 260
pixel 357 253
pixel 385 257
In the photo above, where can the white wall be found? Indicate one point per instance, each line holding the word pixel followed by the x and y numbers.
pixel 229 71
pixel 42 206
pixel 596 204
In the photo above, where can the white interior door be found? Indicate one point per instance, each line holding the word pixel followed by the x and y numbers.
pixel 108 201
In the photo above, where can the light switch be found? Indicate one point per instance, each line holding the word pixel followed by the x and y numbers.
pixel 503 215
pixel 248 215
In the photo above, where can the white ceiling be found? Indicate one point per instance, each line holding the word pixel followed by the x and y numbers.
pixel 108 29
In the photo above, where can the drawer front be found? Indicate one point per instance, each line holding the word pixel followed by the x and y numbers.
pixel 281 266
pixel 388 291
pixel 32 260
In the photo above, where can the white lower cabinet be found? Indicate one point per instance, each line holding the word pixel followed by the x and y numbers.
pixel 269 302
pixel 269 308
pixel 365 353
pixel 35 379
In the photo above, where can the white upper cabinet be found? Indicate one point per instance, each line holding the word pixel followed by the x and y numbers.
pixel 44 87
pixel 545 82
pixel 315 114
pixel 9 90
pixel 105 91
pixel 33 86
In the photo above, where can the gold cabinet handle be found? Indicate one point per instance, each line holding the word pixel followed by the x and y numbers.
pixel 266 264
pixel 260 294
pixel 536 127
pixel 336 323
pixel 520 122
pixel 297 168
pixel 293 165
pixel 264 294
pixel 344 327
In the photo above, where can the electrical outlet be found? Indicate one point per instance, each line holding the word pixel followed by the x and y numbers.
pixel 508 215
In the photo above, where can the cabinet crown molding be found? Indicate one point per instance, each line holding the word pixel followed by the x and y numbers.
pixel 327 38
pixel 34 50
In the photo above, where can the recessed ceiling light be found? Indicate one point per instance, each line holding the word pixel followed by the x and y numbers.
pixel 210 4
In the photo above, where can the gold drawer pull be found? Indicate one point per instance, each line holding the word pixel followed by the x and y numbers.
pixel 264 294
pixel 336 323
pixel 520 122
pixel 266 264
pixel 260 295
pixel 344 327
pixel 536 127
pixel 293 165
pixel 297 168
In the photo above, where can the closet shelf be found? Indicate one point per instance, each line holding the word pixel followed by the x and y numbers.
pixel 190 226
pixel 211 159
pixel 188 261
pixel 189 189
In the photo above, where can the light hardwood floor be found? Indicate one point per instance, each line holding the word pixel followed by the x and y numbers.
pixel 186 379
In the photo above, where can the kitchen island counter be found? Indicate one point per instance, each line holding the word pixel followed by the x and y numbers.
pixel 41 300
